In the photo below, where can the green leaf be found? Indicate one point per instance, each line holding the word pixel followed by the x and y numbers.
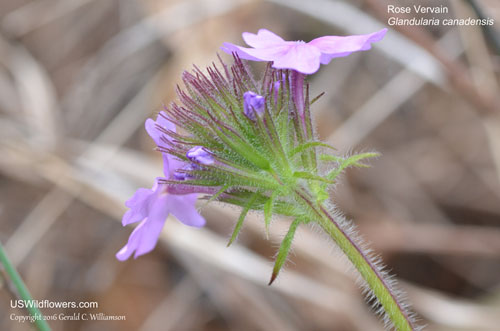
pixel 284 249
pixel 243 214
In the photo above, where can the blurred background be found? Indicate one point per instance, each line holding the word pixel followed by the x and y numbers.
pixel 78 78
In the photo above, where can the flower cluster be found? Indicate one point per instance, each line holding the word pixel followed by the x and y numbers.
pixel 251 143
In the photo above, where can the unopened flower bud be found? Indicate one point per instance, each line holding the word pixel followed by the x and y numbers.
pixel 183 175
pixel 200 155
pixel 253 104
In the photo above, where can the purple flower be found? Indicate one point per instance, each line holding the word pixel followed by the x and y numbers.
pixel 299 55
pixel 156 130
pixel 199 155
pixel 151 207
pixel 253 104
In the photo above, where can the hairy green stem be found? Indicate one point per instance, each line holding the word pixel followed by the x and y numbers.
pixel 22 290
pixel 365 266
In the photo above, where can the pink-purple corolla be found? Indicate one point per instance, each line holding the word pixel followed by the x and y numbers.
pixel 298 55
pixel 151 207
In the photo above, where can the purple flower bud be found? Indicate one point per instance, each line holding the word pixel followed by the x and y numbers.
pixel 200 155
pixel 182 175
pixel 253 104
pixel 276 90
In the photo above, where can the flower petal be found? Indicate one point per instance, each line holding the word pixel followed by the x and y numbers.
pixel 139 206
pixel 263 38
pixel 132 244
pixel 183 207
pixel 173 164
pixel 144 238
pixel 153 130
pixel 124 253
pixel 301 57
pixel 162 121
pixel 338 46
pixel 167 165
pixel 240 51
pixel 270 53
pixel 326 58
